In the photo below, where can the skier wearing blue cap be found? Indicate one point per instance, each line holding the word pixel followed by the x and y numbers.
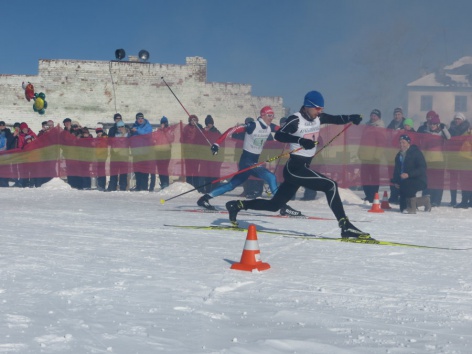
pixel 301 130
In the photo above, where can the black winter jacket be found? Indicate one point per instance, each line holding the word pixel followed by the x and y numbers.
pixel 414 164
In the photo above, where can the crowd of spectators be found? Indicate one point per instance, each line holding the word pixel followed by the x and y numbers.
pixel 439 164
pixel 436 159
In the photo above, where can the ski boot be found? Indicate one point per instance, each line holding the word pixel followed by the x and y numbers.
pixel 233 207
pixel 350 231
pixel 204 202
pixel 289 211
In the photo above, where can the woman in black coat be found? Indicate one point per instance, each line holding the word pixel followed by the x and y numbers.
pixel 409 176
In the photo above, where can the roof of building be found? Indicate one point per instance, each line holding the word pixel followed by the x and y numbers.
pixel 458 74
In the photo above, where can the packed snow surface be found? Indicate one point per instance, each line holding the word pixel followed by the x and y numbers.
pixel 94 272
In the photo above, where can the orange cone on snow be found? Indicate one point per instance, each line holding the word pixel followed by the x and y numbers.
pixel 385 205
pixel 251 257
pixel 376 205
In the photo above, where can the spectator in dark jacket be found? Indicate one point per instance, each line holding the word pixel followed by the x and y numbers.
pixel 121 179
pixel 211 133
pixel 13 143
pixel 396 124
pixel 409 176
pixel 163 139
pixel 5 138
pixel 424 128
pixel 371 153
pixel 459 126
pixel 116 156
pixel 112 131
pixel 44 128
pixel 101 145
pixel 398 119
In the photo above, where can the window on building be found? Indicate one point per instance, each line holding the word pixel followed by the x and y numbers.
pixel 426 103
pixel 460 104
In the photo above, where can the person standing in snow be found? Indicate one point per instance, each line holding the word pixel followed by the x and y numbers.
pixel 433 151
pixel 163 138
pixel 192 137
pixel 101 154
pixel 26 137
pixel 397 123
pixel 459 126
pixel 465 175
pixel 256 134
pixel 141 127
pixel 211 132
pixel 301 130
pixel 409 176
pixel 5 137
pixel 371 153
pixel 119 130
pixel 119 153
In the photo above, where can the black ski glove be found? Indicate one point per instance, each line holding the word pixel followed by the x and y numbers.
pixel 215 148
pixel 355 118
pixel 307 144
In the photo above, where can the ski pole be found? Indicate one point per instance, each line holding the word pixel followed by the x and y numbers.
pixel 162 77
pixel 208 141
pixel 233 174
pixel 334 137
pixel 275 171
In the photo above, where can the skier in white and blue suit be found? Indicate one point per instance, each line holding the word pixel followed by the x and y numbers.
pixel 301 130
pixel 256 134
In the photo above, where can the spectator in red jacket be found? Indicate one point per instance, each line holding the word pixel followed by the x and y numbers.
pixel 26 135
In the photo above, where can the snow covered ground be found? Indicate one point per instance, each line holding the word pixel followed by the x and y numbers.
pixel 94 272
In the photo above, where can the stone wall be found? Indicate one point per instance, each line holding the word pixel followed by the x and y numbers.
pixel 92 91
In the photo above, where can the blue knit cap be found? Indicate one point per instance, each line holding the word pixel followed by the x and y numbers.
pixel 313 99
pixel 164 120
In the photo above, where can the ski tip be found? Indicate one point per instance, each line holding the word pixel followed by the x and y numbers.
pixel 162 201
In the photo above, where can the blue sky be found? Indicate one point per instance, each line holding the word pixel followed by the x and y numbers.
pixel 359 53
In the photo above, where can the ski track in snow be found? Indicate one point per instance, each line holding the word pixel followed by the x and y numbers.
pixel 91 272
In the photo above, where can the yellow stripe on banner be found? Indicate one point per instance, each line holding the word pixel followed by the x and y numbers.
pixel 92 154
pixel 49 153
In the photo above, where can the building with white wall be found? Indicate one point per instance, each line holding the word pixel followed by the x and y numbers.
pixel 92 91
pixel 446 91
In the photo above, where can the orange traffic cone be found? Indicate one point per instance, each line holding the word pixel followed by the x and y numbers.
pixel 251 257
pixel 385 205
pixel 376 205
